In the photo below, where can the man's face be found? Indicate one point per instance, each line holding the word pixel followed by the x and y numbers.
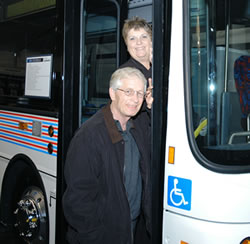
pixel 123 106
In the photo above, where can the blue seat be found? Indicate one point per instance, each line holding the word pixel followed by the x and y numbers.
pixel 242 83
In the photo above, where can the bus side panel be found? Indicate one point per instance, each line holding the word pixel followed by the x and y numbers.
pixel 28 134
pixel 35 138
pixel 197 201
pixel 3 166
pixel 191 230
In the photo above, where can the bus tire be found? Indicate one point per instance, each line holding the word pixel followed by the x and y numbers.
pixel 23 184
pixel 31 216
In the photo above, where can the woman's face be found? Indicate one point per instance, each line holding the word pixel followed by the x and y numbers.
pixel 139 45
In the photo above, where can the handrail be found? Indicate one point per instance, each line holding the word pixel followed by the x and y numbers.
pixel 241 133
pixel 200 127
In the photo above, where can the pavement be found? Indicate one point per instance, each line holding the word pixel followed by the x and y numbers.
pixel 9 237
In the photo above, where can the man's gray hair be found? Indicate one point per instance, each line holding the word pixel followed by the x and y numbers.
pixel 126 73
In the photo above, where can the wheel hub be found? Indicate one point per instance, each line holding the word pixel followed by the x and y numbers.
pixel 31 215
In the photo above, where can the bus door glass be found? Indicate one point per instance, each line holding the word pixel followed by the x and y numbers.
pixel 220 76
pixel 99 57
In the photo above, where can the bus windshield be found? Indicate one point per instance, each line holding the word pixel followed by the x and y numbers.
pixel 219 80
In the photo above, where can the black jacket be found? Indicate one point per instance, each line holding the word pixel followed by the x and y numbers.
pixel 95 202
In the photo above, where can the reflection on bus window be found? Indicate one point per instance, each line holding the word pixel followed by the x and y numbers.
pixel 219 81
pixel 99 54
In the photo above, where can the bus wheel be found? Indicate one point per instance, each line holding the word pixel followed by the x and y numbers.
pixel 31 216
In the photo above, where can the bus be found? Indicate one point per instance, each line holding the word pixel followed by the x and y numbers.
pixel 56 58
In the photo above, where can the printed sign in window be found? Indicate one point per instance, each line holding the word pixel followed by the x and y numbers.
pixel 38 76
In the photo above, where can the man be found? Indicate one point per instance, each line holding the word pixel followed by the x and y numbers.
pixel 107 167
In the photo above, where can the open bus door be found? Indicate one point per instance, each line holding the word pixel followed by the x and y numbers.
pixel 93 50
pixel 162 18
pixel 84 39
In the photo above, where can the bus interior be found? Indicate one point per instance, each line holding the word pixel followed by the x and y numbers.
pixel 219 37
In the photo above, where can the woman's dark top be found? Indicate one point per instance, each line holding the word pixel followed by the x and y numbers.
pixel 135 64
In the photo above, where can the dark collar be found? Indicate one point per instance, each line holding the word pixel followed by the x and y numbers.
pixel 128 126
pixel 113 131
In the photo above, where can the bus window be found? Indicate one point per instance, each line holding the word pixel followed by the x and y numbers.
pixel 99 53
pixel 219 35
pixel 34 28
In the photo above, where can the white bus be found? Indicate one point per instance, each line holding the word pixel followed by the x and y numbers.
pixel 56 58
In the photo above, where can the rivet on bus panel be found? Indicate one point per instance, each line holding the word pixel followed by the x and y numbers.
pixel 171 151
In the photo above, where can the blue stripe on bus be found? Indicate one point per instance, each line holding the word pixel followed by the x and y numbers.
pixel 8 122
pixel 27 140
pixel 29 134
pixel 36 149
pixel 29 120
pixel 44 130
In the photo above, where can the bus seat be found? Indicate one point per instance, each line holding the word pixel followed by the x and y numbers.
pixel 242 83
pixel 230 116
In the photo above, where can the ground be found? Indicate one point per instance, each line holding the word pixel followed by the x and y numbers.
pixel 8 237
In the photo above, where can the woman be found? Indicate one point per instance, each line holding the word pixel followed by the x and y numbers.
pixel 137 34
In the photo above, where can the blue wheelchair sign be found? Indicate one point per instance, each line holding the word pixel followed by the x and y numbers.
pixel 179 192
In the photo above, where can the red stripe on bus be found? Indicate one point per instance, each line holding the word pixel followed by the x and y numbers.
pixel 26 136
pixel 13 126
pixel 28 130
pixel 47 127
pixel 46 134
pixel 30 116
pixel 26 143
pixel 15 120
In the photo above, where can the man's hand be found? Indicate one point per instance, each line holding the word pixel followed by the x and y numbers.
pixel 151 55
pixel 149 94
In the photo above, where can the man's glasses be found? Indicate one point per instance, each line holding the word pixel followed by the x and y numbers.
pixel 131 92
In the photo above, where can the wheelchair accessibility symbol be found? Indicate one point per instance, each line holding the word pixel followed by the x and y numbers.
pixel 179 192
